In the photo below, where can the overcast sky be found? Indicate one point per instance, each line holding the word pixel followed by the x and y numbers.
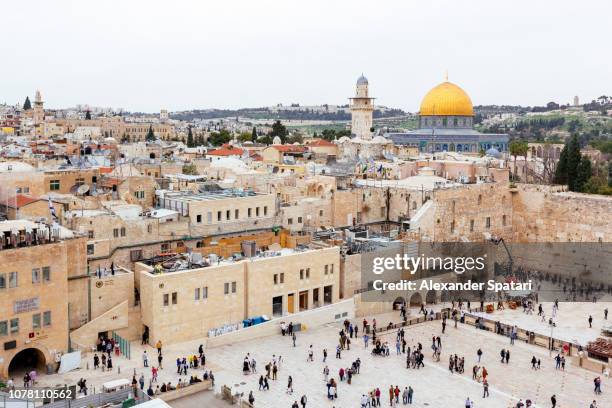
pixel 147 55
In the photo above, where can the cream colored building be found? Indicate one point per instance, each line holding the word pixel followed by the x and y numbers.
pixel 186 304
pixel 36 262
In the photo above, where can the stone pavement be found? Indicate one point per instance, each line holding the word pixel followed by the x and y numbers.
pixel 433 385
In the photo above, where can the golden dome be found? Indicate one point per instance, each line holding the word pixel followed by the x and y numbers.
pixel 446 99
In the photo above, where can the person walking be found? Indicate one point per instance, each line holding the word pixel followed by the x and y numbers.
pixel 158 346
pixel 303 401
pixel 410 393
pixel 145 359
pixel 479 354
pixel 590 322
pixel 485 389
pixel 553 401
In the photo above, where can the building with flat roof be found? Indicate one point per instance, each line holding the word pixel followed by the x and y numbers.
pixel 37 261
pixel 186 296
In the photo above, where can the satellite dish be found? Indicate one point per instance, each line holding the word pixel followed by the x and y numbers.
pixel 83 189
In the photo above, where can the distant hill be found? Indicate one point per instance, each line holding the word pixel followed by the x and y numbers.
pixel 266 113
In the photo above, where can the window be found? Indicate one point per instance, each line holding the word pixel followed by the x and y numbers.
pixel 79 181
pixel 257 211
pixel 326 269
pixel 14 325
pixel 174 298
pixel 166 299
pixel 35 275
pixel 488 222
pixel 234 287
pixel 218 215
pixel 307 273
pixel 282 277
pixel 116 232
pixel 196 294
pixel 46 273
pixel 135 255
pixel 139 195
pixel 209 217
pixel 299 220
pixel 13 279
pixel 2 280
pixel 205 292
pixel 383 211
pixel 289 221
pixel 331 269
pixel 236 214
pixel 149 228
pixel 3 328
pixel 54 185
pixel 36 321
pixel 123 231
pixel 301 274
pixel 504 220
pixel 265 210
pixel 226 288
pixel 276 278
pixel 471 225
pixel 227 215
pixel 90 234
pixel 165 247
pixel 47 318
pixel 249 212
pixel 452 226
pixel 90 249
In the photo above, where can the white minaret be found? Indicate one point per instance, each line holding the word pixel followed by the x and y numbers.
pixel 39 111
pixel 362 108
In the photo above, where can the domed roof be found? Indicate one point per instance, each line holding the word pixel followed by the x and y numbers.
pixel 362 80
pixel 446 99
pixel 493 152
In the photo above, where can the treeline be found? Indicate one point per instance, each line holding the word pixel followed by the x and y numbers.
pixel 262 113
pixel 576 170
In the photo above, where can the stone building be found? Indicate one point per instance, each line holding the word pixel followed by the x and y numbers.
pixel 184 304
pixel 446 121
pixel 362 109
pixel 37 262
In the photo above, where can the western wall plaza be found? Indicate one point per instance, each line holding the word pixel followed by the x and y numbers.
pixel 306 205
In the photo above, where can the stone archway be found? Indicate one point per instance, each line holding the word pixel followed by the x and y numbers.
pixel 416 299
pixel 27 360
pixel 398 303
pixel 445 296
pixel 431 297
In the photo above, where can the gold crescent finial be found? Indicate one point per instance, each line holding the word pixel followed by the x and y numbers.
pixel 446 76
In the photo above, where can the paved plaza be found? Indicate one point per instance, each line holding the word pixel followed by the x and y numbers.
pixel 434 385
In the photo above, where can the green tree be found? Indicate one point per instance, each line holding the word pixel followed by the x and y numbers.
pixel 245 137
pixel 561 170
pixel 266 139
pixel 27 105
pixel 295 138
pixel 573 161
pixel 518 148
pixel 190 169
pixel 190 142
pixel 584 173
pixel 278 129
pixel 254 135
pixel 150 135
pixel 219 138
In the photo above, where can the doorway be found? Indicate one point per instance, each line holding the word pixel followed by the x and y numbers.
pixel 25 361
pixel 327 295
pixel 277 306
pixel 290 303
pixel 303 300
pixel 315 297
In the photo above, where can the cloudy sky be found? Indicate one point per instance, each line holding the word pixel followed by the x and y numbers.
pixel 147 55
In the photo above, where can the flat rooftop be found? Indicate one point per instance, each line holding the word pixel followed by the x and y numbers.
pixel 210 195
